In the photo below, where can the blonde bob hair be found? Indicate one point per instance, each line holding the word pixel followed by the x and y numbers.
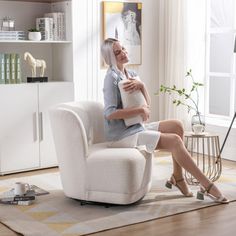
pixel 107 51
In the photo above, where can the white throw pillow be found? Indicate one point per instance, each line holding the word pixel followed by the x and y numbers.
pixel 129 100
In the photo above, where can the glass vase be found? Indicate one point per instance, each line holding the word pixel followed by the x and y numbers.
pixel 198 119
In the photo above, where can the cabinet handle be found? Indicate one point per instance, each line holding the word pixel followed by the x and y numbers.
pixel 40 126
pixel 35 128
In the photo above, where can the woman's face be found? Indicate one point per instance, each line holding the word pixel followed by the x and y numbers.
pixel 120 53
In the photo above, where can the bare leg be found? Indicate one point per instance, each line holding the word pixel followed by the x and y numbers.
pixel 175 127
pixel 174 144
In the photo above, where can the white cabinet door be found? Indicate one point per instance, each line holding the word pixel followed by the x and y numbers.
pixel 50 94
pixel 19 146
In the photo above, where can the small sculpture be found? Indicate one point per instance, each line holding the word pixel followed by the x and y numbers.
pixel 34 63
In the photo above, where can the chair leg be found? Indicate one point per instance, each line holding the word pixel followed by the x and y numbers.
pixel 82 203
pixel 106 205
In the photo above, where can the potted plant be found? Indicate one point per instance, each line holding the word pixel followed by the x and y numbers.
pixel 34 34
pixel 189 99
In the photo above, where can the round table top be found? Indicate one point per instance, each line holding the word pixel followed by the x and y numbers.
pixel 200 135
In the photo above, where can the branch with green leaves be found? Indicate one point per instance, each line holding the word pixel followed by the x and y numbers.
pixel 184 95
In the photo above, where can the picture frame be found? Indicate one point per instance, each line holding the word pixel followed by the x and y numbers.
pixel 123 21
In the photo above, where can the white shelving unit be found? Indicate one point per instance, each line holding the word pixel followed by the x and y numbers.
pixel 25 133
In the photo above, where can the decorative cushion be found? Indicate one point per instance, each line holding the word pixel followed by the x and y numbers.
pixel 129 100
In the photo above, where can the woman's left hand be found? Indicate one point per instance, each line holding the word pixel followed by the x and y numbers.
pixel 133 85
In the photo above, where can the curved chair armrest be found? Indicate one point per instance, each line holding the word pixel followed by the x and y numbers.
pixel 60 116
pixel 82 129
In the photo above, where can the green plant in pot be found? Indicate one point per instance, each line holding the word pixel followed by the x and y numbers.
pixel 189 99
pixel 34 34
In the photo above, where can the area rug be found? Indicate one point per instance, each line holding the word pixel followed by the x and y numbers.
pixel 54 214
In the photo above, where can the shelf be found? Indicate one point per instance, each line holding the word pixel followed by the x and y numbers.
pixel 34 42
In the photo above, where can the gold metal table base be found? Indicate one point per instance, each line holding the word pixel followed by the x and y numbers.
pixel 205 150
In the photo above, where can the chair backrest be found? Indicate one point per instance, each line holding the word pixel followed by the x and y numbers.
pixel 75 126
pixel 91 114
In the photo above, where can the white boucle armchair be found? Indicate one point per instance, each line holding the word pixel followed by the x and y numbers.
pixel 90 171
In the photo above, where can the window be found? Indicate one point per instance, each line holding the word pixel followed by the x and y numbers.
pixel 220 59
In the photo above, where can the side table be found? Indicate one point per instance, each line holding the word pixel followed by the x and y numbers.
pixel 205 150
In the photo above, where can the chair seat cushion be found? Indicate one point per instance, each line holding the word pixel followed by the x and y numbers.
pixel 115 170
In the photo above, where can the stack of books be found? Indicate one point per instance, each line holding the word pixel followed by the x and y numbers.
pixel 10 198
pixel 45 26
pixel 52 26
pixel 28 198
pixel 12 35
pixel 59 30
pixel 10 68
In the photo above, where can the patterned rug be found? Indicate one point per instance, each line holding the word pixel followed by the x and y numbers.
pixel 54 214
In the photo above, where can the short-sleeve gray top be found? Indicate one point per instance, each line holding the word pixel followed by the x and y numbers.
pixel 116 129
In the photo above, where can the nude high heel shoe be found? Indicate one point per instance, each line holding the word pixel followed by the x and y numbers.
pixel 205 192
pixel 175 182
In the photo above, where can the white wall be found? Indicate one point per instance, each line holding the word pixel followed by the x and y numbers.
pixel 88 35
pixel 89 75
pixel 229 151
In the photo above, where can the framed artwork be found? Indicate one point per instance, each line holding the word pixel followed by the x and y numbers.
pixel 123 21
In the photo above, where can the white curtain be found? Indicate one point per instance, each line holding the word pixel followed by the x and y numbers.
pixel 171 54
pixel 196 44
pixel 181 46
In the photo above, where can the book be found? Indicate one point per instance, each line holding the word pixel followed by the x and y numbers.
pixel 38 191
pixel 18 69
pixel 45 26
pixel 61 25
pixel 7 68
pixel 2 69
pixel 22 203
pixel 13 68
pixel 53 16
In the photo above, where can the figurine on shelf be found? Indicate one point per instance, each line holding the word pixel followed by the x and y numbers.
pixel 34 63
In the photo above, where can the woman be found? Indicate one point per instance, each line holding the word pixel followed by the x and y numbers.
pixel 167 134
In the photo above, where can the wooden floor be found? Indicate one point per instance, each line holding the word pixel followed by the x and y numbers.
pixel 217 221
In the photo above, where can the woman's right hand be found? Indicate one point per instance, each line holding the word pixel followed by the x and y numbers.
pixel 145 113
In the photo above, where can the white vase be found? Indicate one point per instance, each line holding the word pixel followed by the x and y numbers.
pixel 198 119
pixel 34 36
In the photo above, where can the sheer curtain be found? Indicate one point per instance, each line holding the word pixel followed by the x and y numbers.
pixel 171 54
